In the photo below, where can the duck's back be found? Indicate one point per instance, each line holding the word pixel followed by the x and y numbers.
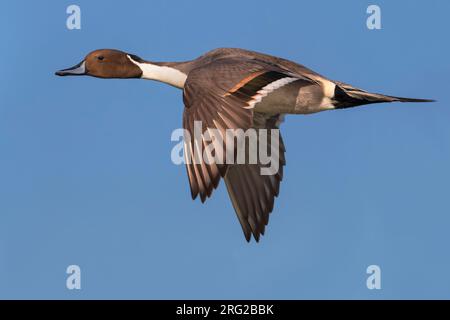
pixel 236 53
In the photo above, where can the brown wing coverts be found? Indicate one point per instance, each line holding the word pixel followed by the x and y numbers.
pixel 250 87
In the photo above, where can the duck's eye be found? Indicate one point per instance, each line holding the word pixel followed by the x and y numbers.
pixel 100 58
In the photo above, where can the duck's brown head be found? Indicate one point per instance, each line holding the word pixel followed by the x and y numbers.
pixel 105 63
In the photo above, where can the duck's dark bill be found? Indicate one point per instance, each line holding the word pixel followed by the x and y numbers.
pixel 78 70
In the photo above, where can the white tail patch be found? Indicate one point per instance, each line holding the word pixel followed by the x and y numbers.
pixel 328 94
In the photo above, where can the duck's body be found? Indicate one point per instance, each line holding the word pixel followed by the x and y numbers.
pixel 236 89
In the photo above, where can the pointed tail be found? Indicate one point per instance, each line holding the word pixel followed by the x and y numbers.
pixel 347 96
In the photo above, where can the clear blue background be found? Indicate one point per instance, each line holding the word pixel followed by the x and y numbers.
pixel 86 176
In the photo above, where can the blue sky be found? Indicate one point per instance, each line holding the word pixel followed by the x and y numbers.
pixel 86 176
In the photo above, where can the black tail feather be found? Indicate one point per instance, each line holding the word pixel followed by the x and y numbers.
pixel 401 99
pixel 346 96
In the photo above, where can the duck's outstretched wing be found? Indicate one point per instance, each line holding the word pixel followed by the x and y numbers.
pixel 221 95
pixel 253 194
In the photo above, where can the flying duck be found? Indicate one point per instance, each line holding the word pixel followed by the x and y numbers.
pixel 230 88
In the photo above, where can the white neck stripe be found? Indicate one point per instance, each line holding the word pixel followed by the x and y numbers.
pixel 164 74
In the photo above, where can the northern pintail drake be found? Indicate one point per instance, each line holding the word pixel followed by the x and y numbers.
pixel 231 88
